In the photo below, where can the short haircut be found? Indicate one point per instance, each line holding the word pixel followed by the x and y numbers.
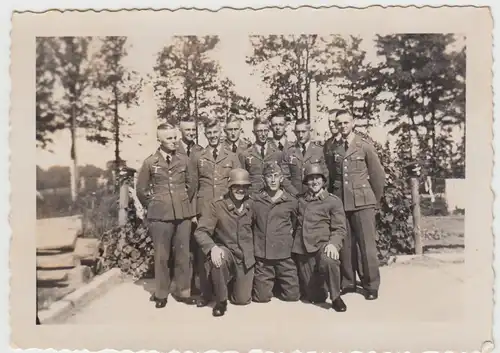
pixel 259 121
pixel 277 116
pixel 165 126
pixel 233 119
pixel 210 122
pixel 302 122
pixel 341 112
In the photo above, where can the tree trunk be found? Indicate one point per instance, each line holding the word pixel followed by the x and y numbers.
pixel 74 166
pixel 117 127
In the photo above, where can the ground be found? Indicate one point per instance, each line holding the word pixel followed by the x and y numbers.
pixel 434 294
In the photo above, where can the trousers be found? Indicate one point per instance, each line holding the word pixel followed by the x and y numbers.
pixel 171 239
pixel 269 273
pixel 359 254
pixel 231 274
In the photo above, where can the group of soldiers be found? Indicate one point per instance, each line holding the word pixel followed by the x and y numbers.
pixel 252 221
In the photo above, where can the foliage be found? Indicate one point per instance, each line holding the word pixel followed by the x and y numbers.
pixel 437 208
pixel 119 89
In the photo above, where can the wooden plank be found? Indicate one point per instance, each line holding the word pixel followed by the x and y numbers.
pixel 58 233
pixel 87 250
pixel 51 275
pixel 59 261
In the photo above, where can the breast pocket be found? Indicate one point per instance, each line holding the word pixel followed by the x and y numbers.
pixel 357 163
pixel 363 194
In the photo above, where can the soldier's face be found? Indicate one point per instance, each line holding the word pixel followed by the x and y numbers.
pixel 278 127
pixel 188 131
pixel 345 124
pixel 273 181
pixel 315 183
pixel 233 131
pixel 213 135
pixel 303 133
pixel 239 192
pixel 332 124
pixel 168 139
pixel 261 133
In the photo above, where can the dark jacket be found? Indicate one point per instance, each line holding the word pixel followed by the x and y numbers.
pixel 274 224
pixel 165 190
pixel 359 177
pixel 223 225
pixel 293 164
pixel 210 178
pixel 321 221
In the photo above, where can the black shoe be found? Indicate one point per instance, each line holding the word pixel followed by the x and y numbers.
pixel 219 309
pixel 152 298
pixel 338 305
pixel 161 303
pixel 371 294
pixel 348 289
pixel 185 300
pixel 202 302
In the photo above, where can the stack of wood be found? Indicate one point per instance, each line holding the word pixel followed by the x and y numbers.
pixel 65 259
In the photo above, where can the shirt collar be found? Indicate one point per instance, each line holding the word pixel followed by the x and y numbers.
pixel 320 196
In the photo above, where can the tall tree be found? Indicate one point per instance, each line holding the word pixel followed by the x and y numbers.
pixel 426 80
pixel 354 83
pixel 229 102
pixel 119 90
pixel 186 78
pixel 47 121
pixel 288 64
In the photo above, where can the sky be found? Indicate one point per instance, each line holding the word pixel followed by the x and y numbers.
pixel 231 53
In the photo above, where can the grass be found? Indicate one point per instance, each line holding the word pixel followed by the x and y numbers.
pixel 443 233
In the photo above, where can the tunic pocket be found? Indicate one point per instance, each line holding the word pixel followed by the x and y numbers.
pixel 363 194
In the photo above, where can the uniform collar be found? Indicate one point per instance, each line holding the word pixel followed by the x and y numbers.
pixel 232 207
pixel 267 197
pixel 320 196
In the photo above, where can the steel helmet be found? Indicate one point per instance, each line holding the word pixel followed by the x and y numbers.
pixel 313 169
pixel 239 176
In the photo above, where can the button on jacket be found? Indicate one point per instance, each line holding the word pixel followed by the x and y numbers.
pixel 293 164
pixel 164 189
pixel 222 224
pixel 210 180
pixel 252 161
pixel 274 224
pixel 359 177
pixel 321 221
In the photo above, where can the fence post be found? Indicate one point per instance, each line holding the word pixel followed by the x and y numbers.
pixel 415 197
pixel 124 199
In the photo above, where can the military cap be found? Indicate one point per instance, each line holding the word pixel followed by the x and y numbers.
pixel 313 169
pixel 271 167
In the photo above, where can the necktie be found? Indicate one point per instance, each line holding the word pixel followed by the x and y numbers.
pixel 280 146
pixel 168 159
pixel 303 148
pixel 214 153
pixel 189 149
pixel 346 145
pixel 262 151
pixel 234 147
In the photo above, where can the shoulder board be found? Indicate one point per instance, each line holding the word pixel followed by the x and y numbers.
pixel 365 138
pixel 318 143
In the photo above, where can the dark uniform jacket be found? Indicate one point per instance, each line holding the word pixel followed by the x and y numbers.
pixel 321 221
pixel 193 157
pixel 293 164
pixel 241 146
pixel 165 189
pixel 252 161
pixel 223 225
pixel 274 224
pixel 328 151
pixel 359 177
pixel 210 178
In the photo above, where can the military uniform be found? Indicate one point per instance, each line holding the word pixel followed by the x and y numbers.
pixel 321 222
pixel 293 163
pixel 253 161
pixel 238 147
pixel 328 151
pixel 223 225
pixel 282 144
pixel 274 223
pixel 164 189
pixel 359 180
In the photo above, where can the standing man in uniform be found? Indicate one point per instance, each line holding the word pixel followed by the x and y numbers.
pixel 318 239
pixel 225 235
pixel 275 213
pixel 298 156
pixel 233 141
pixel 187 144
pixel 164 189
pixel 210 182
pixel 262 151
pixel 278 128
pixel 359 182
pixel 329 148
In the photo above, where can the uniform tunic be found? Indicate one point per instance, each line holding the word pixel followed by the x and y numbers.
pixel 252 161
pixel 225 226
pixel 274 223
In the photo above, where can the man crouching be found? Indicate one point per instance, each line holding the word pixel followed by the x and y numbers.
pixel 225 236
pixel 318 239
pixel 275 213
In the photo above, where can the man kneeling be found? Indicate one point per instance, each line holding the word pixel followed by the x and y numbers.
pixel 275 213
pixel 318 239
pixel 224 234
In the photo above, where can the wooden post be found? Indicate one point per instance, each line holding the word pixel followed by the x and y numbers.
pixel 124 199
pixel 415 196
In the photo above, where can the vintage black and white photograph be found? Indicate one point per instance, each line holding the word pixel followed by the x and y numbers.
pixel 225 182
